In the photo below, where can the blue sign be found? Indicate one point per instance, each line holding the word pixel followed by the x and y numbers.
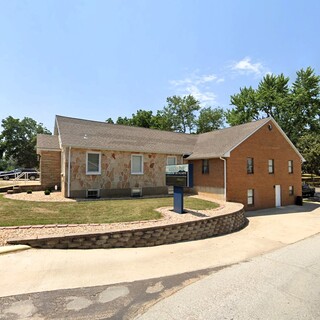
pixel 179 176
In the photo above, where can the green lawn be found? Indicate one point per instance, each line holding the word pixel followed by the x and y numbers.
pixel 17 213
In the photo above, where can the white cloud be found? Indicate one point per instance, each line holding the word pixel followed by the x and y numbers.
pixel 199 86
pixel 246 66
pixel 205 97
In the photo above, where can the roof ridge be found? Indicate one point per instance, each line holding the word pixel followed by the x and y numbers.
pixel 237 126
pixel 127 126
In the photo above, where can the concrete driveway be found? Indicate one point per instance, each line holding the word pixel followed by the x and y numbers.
pixel 44 270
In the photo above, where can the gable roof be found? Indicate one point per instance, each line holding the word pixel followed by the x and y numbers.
pixel 87 134
pixel 101 135
pixel 220 143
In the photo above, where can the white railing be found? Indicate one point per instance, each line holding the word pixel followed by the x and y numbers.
pixel 14 177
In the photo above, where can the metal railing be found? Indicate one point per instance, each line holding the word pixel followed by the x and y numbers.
pixel 19 178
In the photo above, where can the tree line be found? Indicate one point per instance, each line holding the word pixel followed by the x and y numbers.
pixel 295 106
pixel 179 115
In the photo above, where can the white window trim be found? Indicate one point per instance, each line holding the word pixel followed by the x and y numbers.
pixel 291 190
pixel 97 190
pixel 290 166
pixel 176 160
pixel 93 172
pixel 250 197
pixel 142 164
pixel 271 166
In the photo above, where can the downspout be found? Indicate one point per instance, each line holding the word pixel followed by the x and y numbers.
pixel 69 171
pixel 224 177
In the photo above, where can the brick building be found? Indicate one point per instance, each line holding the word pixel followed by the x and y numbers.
pixel 254 163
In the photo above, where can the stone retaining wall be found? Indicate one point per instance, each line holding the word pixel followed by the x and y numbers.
pixel 144 237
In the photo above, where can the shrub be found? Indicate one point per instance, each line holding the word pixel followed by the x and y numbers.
pixel 47 192
pixel 29 191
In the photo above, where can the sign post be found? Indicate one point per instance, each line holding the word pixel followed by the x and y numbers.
pixel 178 199
pixel 179 176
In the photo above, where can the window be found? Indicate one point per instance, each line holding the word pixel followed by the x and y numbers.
pixel 271 166
pixel 136 164
pixel 291 191
pixel 93 163
pixel 250 197
pixel 205 166
pixel 290 166
pixel 171 160
pixel 93 193
pixel 249 165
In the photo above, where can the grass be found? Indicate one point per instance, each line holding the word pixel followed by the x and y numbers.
pixel 17 212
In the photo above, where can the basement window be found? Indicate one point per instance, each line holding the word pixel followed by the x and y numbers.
pixel 250 197
pixel 93 193
pixel 136 192
pixel 291 190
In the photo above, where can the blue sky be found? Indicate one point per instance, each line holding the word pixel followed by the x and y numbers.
pixel 100 59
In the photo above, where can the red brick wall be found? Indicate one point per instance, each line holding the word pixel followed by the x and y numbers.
pixel 215 176
pixel 262 146
pixel 213 182
pixel 50 168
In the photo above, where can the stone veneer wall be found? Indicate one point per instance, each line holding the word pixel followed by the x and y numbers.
pixel 116 179
pixel 145 237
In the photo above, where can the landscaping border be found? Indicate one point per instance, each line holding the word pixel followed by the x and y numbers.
pixel 144 237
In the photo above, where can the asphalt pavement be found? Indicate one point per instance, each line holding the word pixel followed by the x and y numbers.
pixel 118 301
pixel 284 284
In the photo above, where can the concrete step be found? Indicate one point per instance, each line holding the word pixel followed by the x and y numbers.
pixel 16 189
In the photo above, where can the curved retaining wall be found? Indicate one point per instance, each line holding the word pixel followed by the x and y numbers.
pixel 144 237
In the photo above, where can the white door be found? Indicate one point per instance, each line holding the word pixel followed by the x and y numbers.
pixel 278 195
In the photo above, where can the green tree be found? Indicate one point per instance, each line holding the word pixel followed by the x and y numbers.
pixel 210 119
pixel 246 107
pixel 272 95
pixel 109 120
pixel 296 109
pixel 164 120
pixel 124 121
pixel 309 146
pixel 18 140
pixel 305 113
pixel 182 110
pixel 142 118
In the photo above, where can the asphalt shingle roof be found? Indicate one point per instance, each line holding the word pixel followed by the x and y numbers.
pixel 47 142
pixel 89 134
pixel 218 143
pixel 100 135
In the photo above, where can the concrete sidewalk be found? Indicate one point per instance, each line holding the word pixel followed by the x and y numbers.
pixel 44 270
